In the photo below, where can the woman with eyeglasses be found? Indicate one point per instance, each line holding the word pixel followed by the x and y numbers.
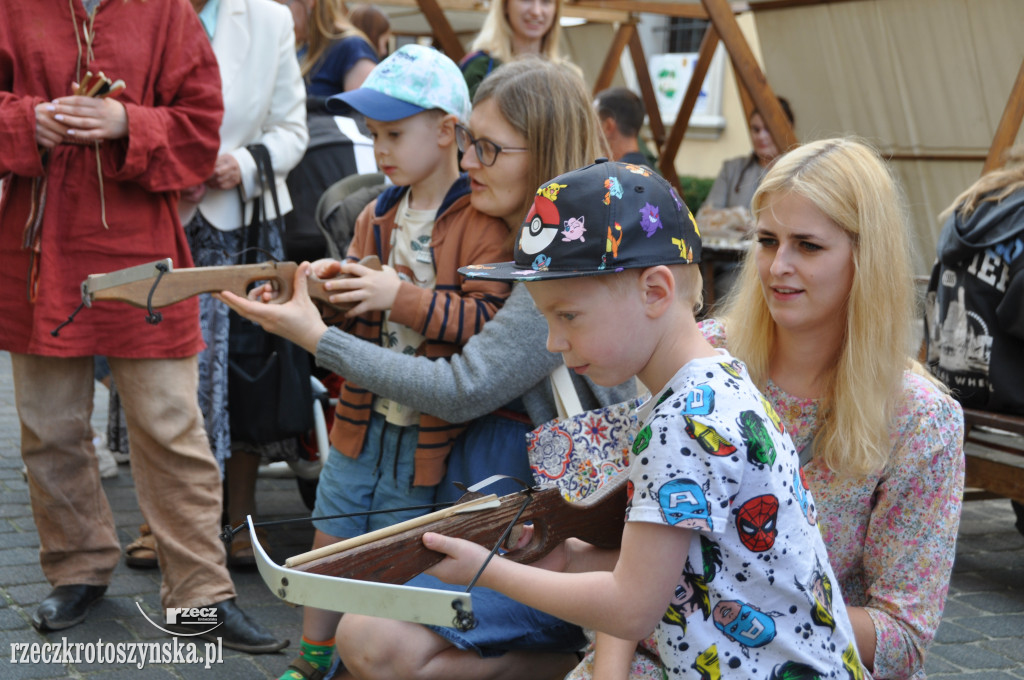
pixel 532 120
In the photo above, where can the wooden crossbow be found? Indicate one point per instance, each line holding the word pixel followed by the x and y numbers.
pixel 363 575
pixel 158 284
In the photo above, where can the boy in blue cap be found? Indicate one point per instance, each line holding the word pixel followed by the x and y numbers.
pixel 384 454
pixel 717 511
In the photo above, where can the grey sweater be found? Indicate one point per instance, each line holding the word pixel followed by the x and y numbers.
pixel 505 360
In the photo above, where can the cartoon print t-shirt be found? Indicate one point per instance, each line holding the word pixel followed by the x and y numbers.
pixel 757 597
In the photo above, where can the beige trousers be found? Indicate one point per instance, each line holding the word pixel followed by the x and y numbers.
pixel 176 478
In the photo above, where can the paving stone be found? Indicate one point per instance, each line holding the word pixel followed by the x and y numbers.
pixel 995 602
pixel 1003 626
pixel 19 556
pixel 21 574
pixel 951 632
pixel 974 656
pixel 11 619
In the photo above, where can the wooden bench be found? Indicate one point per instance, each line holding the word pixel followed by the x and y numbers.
pixel 994 450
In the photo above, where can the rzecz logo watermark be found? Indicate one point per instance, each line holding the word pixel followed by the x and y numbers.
pixel 194 616
pixel 200 620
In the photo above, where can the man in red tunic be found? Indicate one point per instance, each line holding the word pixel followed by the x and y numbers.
pixel 91 184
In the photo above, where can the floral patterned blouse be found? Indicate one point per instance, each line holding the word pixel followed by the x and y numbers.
pixel 891 537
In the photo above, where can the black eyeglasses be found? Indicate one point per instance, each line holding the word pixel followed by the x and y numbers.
pixel 486 150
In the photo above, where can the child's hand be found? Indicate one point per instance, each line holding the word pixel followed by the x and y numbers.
pixel 464 558
pixel 365 289
pixel 90 119
pixel 297 320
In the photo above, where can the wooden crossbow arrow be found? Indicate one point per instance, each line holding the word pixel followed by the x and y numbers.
pixel 362 575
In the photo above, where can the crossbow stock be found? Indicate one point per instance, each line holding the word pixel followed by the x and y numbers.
pixel 158 284
pixel 363 575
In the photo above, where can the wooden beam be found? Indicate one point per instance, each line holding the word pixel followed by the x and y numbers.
pixel 442 30
pixel 643 77
pixel 750 73
pixel 676 9
pixel 1009 124
pixel 957 157
pixel 614 55
pixel 768 5
pixel 595 14
pixel 745 99
pixel 667 157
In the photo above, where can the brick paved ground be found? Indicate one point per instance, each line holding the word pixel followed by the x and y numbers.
pixel 982 633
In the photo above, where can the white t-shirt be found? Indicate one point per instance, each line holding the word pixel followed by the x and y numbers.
pixel 410 249
pixel 757 595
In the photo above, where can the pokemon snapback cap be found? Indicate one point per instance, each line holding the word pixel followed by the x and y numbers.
pixel 599 219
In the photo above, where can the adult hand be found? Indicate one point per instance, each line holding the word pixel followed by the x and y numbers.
pixel 49 133
pixel 365 289
pixel 90 119
pixel 297 319
pixel 226 173
pixel 463 561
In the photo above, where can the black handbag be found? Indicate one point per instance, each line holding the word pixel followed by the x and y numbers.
pixel 269 393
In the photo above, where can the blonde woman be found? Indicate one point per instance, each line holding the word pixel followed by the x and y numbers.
pixel 513 28
pixel 334 56
pixel 822 314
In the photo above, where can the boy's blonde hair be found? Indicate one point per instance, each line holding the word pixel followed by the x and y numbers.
pixel 689 283
pixel 848 182
pixel 550 107
pixel 495 35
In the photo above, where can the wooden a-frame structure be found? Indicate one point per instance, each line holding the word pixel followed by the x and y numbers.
pixel 754 90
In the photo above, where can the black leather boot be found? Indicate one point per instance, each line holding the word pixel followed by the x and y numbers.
pixel 236 629
pixel 66 606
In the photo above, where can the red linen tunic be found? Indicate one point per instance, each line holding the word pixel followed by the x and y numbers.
pixel 173 102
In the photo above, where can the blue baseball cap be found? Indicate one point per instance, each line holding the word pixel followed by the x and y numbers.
pixel 600 219
pixel 413 79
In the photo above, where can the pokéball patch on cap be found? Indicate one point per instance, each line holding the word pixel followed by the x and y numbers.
pixel 600 219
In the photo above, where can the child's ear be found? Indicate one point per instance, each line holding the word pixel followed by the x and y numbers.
pixel 658 290
pixel 446 130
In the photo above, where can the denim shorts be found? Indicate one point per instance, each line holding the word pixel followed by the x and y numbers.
pixel 379 479
pixel 505 625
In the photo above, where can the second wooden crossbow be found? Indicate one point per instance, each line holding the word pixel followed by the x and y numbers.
pixel 363 575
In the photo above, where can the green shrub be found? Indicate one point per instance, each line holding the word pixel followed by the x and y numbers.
pixel 695 190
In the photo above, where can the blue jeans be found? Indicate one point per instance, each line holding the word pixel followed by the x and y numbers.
pixel 379 479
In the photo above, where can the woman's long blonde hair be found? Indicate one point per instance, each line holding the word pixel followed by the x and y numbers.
pixel 549 105
pixel 328 21
pixel 495 35
pixel 992 186
pixel 848 182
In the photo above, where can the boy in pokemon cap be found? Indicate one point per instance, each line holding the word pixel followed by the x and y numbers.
pixel 712 508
